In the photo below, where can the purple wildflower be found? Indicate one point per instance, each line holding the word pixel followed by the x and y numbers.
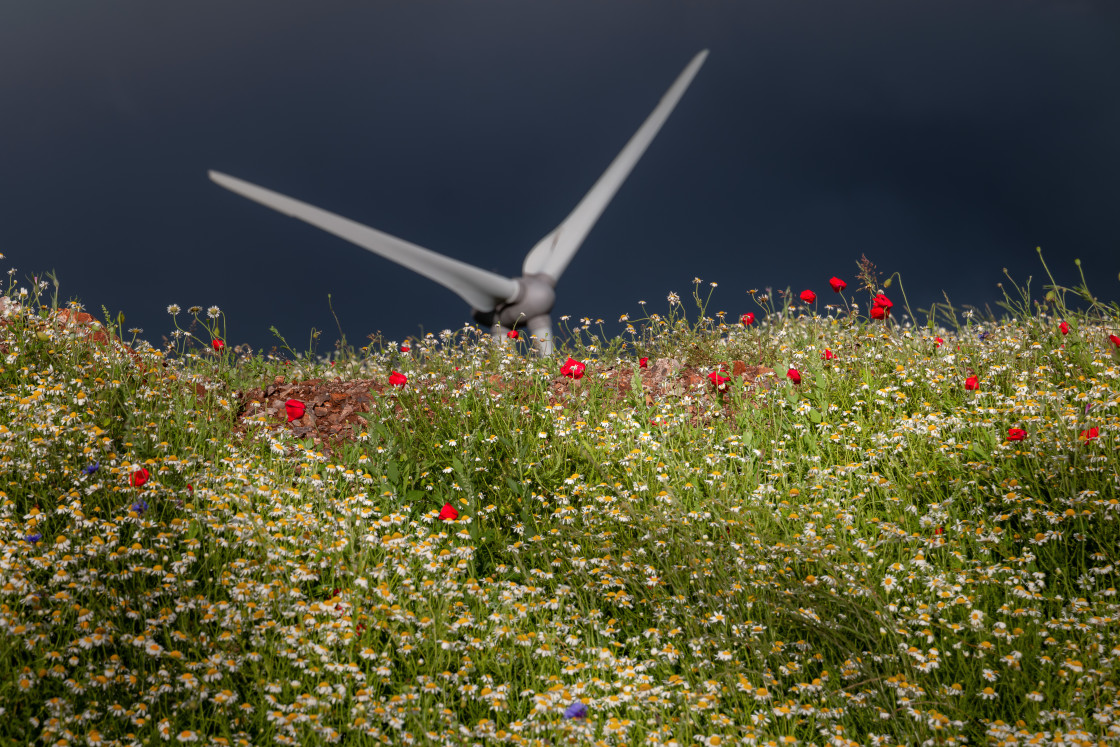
pixel 576 710
pixel 92 468
pixel 33 538
pixel 140 506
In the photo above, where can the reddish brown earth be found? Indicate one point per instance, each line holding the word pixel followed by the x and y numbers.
pixel 332 408
pixel 82 324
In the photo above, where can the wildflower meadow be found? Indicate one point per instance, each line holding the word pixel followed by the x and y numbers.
pixel 821 518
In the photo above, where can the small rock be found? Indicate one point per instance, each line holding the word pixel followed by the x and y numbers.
pixel 664 368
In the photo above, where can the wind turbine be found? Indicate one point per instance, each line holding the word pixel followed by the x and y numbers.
pixel 497 301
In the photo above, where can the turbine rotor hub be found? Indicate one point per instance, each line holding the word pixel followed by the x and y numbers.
pixel 535 297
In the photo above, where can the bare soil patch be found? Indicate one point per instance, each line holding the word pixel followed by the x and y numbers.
pixel 333 408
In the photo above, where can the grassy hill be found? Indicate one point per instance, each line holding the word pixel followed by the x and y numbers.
pixel 820 527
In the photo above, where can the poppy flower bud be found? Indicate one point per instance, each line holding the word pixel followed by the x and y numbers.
pixel 719 380
pixel 573 369
pixel 295 409
pixel 139 477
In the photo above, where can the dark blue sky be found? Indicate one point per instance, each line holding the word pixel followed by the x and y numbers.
pixel 943 139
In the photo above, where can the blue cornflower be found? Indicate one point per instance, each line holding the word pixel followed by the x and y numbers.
pixel 140 506
pixel 576 710
pixel 92 468
pixel 33 538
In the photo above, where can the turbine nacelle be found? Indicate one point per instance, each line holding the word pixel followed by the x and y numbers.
pixel 528 308
pixel 512 303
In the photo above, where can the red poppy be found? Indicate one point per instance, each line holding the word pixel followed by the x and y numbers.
pixel 573 369
pixel 295 409
pixel 1064 326
pixel 217 344
pixel 512 334
pixel 939 530
pixel 1115 340
pixel 448 513
pixel 808 296
pixel 1016 434
pixel 1090 433
pixel 719 380
pixel 747 319
pixel 827 355
pixel 938 342
pixel 397 379
pixel 405 348
pixel 972 383
pixel 138 478
pixel 794 375
pixel 879 312
pixel 881 300
pixel 837 284
pixel 643 363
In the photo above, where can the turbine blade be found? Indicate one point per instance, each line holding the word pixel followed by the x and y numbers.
pixel 552 254
pixel 482 289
